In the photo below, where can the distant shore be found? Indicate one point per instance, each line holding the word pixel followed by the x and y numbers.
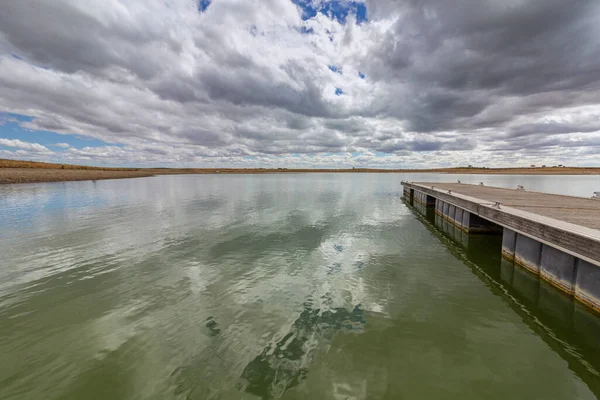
pixel 15 171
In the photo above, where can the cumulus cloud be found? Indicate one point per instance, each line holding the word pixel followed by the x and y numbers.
pixel 248 82
pixel 34 147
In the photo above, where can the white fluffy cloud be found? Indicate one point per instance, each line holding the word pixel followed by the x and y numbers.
pixel 248 83
pixel 19 144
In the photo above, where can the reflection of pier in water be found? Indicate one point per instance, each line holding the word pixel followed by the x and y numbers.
pixel 567 326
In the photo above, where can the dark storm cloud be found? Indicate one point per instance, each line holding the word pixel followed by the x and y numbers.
pixel 352 125
pixel 258 88
pixel 542 143
pixel 299 123
pixel 71 37
pixel 424 144
pixel 552 128
pixel 460 57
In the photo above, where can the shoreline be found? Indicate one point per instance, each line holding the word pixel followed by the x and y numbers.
pixel 40 175
pixel 20 171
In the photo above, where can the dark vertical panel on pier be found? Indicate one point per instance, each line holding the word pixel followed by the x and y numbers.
pixel 528 253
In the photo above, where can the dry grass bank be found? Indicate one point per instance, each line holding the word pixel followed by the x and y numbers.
pixel 4 163
pixel 30 175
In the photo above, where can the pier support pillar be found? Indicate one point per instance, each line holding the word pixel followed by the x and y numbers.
pixel 422 202
pixel 587 284
pixel 451 211
pixel 528 253
pixel 462 219
pixel 430 201
pixel 465 221
pixel 509 240
pixel 458 217
pixel 424 199
pixel 558 268
pixel 472 223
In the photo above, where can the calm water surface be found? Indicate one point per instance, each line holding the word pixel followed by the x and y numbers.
pixel 314 286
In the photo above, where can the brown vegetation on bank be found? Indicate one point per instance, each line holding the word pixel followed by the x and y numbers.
pixel 17 171
pixel 4 163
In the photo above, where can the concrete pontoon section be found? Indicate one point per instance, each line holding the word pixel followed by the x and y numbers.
pixel 445 208
pixel 554 237
pixel 587 284
pixel 458 217
pixel 464 220
pixel 509 242
pixel 558 268
pixel 528 253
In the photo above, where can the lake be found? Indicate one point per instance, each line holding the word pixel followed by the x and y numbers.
pixel 291 286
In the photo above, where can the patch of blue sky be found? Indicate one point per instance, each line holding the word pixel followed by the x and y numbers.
pixel 335 9
pixel 10 128
pixel 308 10
pixel 203 5
pixel 335 69
pixel 361 12
pixel 338 92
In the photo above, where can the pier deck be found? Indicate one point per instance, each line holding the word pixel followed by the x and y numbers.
pixel 574 210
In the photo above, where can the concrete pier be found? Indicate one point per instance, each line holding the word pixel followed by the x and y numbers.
pixel 464 220
pixel 509 243
pixel 554 237
pixel 528 253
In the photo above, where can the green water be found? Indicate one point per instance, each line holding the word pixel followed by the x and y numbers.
pixel 316 286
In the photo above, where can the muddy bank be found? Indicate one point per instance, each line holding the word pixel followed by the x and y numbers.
pixel 31 175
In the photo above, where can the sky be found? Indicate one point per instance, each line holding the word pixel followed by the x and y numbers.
pixel 301 83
